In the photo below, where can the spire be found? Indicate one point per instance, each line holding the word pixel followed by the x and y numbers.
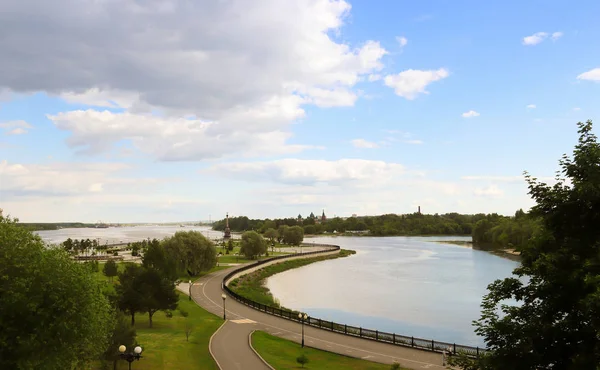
pixel 227 232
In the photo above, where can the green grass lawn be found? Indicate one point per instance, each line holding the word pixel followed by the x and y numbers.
pixel 282 354
pixel 165 346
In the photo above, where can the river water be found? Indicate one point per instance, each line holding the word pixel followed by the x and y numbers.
pixel 407 285
pixel 113 235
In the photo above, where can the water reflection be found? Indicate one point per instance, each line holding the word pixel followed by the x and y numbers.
pixel 406 285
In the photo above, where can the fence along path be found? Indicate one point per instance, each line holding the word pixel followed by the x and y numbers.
pixel 376 335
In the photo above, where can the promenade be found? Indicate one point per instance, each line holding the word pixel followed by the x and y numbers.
pixel 230 344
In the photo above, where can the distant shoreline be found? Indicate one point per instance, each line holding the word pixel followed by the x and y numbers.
pixel 510 254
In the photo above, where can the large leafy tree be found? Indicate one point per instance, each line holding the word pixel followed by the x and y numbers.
pixel 52 312
pixel 130 296
pixel 156 257
pixel 191 251
pixel 253 244
pixel 157 292
pixel 293 235
pixel 557 322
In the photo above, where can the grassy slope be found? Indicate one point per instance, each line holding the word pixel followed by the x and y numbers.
pixel 282 354
pixel 164 345
pixel 251 285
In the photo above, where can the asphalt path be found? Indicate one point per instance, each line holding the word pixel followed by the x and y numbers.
pixel 231 349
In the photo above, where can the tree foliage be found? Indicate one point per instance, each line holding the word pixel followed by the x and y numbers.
pixel 156 257
pixel 191 251
pixel 557 322
pixel 157 292
pixel 271 234
pixel 52 313
pixel 122 334
pixel 130 297
pixel 253 244
pixel 293 235
pixel 110 269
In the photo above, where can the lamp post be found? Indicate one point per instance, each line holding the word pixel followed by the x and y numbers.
pixel 130 356
pixel 190 283
pixel 302 317
pixel 224 298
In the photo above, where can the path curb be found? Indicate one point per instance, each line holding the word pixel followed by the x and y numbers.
pixel 259 356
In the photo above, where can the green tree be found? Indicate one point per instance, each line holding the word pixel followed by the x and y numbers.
pixel 130 296
pixel 557 324
pixel 294 235
pixel 302 360
pixel 110 269
pixel 45 296
pixel 191 251
pixel 310 229
pixel 122 334
pixel 281 232
pixel 157 292
pixel 253 244
pixel 156 257
pixel 272 235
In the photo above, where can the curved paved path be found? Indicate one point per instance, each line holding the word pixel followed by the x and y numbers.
pixel 230 344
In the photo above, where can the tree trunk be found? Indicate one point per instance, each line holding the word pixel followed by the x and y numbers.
pixel 132 318
pixel 150 313
pixel 114 364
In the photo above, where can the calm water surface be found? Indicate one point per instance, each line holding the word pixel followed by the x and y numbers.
pixel 114 235
pixel 407 285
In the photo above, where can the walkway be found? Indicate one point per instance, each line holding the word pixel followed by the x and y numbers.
pixel 232 351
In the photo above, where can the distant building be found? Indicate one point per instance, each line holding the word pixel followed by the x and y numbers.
pixel 354 215
pixel 323 217
pixel 300 219
pixel 227 232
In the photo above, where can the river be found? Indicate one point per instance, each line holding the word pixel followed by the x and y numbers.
pixel 407 285
pixel 113 235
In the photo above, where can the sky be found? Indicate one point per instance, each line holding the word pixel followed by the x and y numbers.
pixel 179 110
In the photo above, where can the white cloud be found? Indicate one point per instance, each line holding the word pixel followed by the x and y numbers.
pixel 535 39
pixel 15 127
pixel 531 106
pixel 248 133
pixel 310 172
pixel 494 178
pixel 197 59
pixel 415 142
pixel 576 109
pixel 362 143
pixel 470 114
pixel 556 35
pixel 402 41
pixel 591 75
pixel 410 83
pixel 374 77
pixel 16 131
pixel 490 191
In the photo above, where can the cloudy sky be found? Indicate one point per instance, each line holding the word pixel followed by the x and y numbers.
pixel 169 110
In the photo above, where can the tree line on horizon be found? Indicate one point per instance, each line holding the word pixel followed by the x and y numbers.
pixel 489 231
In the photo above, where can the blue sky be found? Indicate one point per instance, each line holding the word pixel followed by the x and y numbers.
pixel 164 110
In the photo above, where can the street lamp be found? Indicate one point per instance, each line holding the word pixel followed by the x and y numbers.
pixel 190 283
pixel 302 317
pixel 224 298
pixel 130 356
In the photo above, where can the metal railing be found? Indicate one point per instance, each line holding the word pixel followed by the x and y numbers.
pixel 379 336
